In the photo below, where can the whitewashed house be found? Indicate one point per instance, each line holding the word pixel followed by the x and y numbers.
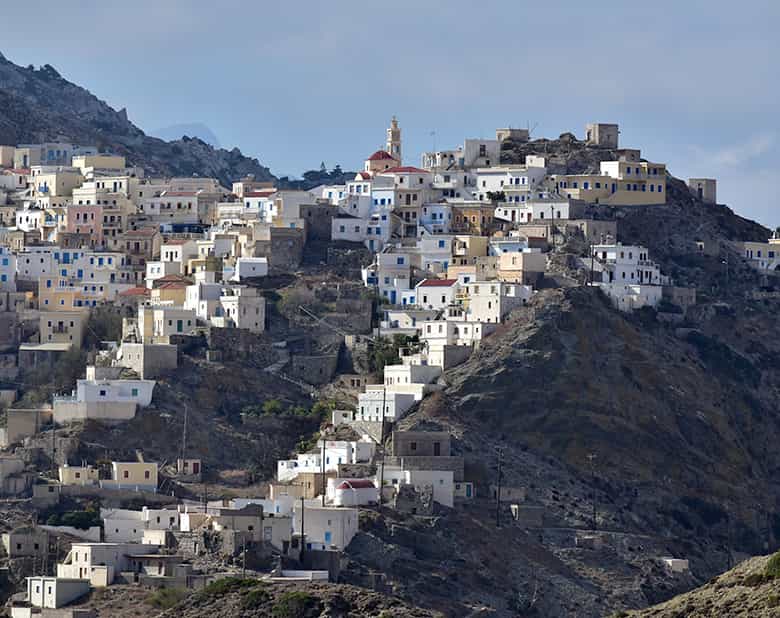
pixel 436 293
pixel 628 276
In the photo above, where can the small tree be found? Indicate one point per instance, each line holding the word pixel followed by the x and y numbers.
pixel 272 407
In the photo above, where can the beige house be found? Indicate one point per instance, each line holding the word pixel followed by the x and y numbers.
pixel 62 327
pixel 100 161
pixel 78 475
pixel 55 181
pixel 136 475
pixel 763 255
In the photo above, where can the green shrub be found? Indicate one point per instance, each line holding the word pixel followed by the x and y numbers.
pixel 221 587
pixel 296 604
pixel 322 409
pixel 165 598
pixel 772 568
pixel 75 519
pixel 255 598
pixel 272 407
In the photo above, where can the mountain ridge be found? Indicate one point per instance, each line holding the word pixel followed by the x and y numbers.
pixel 39 105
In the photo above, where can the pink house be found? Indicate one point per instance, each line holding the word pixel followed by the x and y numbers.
pixel 87 219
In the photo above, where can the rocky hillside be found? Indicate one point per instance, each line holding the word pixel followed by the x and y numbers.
pixel 666 431
pixel 750 590
pixel 664 434
pixel 245 597
pixel 38 105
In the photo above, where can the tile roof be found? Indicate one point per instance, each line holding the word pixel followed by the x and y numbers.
pixel 436 283
pixel 138 291
pixel 173 277
pixel 381 155
pixel 356 484
pixel 406 169
pixel 263 193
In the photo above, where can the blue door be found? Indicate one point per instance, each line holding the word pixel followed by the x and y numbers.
pixel 327 538
pixel 468 491
pixel 392 297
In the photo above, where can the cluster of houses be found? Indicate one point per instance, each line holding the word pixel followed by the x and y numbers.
pixel 457 245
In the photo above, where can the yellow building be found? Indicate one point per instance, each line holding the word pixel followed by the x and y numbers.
pixel 78 475
pixel 63 326
pixel 135 473
pixel 763 255
pixel 523 267
pixel 467 248
pixel 101 161
pixel 170 290
pixel 55 294
pixel 621 182
pixel 54 182
pixel 473 218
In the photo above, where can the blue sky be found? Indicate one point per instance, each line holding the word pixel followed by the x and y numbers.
pixel 693 83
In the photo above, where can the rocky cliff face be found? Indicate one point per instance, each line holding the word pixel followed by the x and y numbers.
pixel 38 105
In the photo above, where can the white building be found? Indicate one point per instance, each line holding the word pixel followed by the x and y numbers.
pixel 128 526
pixel 390 275
pixel 158 270
pixel 533 210
pixel 241 307
pixel 370 404
pixel 100 562
pixel 53 592
pixel 436 293
pixel 491 301
pixel 325 527
pixel 516 182
pixel 103 399
pixel 628 276
pixel 351 492
pixel 440 480
pixel 337 452
pixel 7 270
pixel 249 267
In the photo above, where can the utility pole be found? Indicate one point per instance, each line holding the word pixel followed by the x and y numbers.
pixel 591 262
pixel 243 566
pixel 500 452
pixel 322 469
pixel 53 448
pixel 303 535
pixel 184 434
pixel 382 442
pixel 591 457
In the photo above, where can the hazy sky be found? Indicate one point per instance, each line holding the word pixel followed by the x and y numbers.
pixel 693 83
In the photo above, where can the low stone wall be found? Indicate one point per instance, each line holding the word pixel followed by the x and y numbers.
pixel 90 534
pixel 241 344
pixel 314 369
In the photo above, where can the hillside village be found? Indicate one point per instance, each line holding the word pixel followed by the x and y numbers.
pixel 353 302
